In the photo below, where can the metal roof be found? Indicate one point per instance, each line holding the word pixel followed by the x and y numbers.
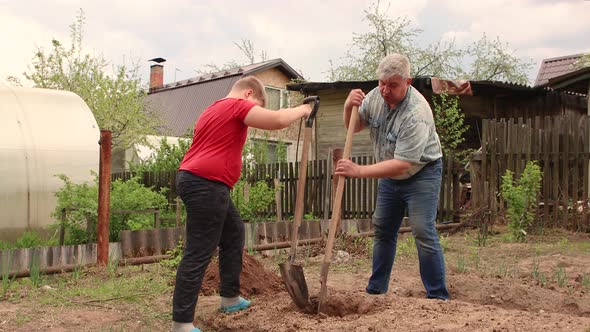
pixel 180 104
pixel 577 81
pixel 422 84
pixel 554 67
pixel 242 71
pixel 179 109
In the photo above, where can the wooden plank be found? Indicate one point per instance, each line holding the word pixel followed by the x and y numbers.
pixel 493 171
pixel 531 137
pixel 555 174
pixel 585 160
pixel 293 167
pixel 504 149
pixel 353 195
pixel 484 164
pixel 519 146
pixel 546 169
pixel 449 187
pixel 372 192
pixel 441 199
pixel 573 156
pixel 565 168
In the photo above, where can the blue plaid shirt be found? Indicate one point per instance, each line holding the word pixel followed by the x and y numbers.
pixel 406 132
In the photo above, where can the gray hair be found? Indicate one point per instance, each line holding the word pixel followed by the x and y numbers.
pixel 394 64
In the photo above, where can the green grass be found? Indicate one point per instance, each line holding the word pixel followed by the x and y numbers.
pixel 461 267
pixel 23 318
pixel 586 281
pixel 561 277
pixel 131 286
pixel 407 247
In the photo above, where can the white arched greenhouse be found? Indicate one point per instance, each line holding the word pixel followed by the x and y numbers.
pixel 42 133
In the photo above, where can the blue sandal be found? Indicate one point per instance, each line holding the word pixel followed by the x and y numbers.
pixel 241 305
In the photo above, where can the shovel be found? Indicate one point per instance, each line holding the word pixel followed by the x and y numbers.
pixel 291 273
pixel 336 210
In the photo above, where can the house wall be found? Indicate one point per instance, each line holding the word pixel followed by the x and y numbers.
pixel 273 77
pixel 330 128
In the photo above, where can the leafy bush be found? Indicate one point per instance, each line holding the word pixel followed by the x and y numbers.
pixel 82 199
pixel 29 239
pixel 175 255
pixel 449 121
pixel 132 195
pixel 259 198
pixel 521 198
pixel 166 158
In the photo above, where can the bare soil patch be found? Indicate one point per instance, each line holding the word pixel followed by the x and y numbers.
pixel 541 285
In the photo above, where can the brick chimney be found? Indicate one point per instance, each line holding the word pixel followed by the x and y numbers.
pixel 156 74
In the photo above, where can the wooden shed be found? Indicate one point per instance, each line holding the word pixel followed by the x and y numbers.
pixel 477 99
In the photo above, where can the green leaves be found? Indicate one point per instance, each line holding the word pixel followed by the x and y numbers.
pixel 253 200
pixel 113 93
pixel 166 158
pixel 449 121
pixel 82 200
pixel 521 198
pixel 485 59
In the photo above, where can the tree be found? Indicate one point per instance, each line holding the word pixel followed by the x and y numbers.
pixel 246 46
pixel 386 36
pixel 114 96
pixel 492 59
pixel 583 62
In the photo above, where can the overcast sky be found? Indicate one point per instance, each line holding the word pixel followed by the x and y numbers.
pixel 306 34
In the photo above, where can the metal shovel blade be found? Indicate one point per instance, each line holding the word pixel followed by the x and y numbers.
pixel 294 280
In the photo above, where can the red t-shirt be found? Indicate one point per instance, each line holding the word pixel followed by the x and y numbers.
pixel 218 140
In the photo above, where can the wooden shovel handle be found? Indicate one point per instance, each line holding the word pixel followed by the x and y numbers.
pixel 299 203
pixel 336 209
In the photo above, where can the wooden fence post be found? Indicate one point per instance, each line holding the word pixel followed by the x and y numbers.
pixel 278 200
pixel 156 218
pixel 62 227
pixel 178 211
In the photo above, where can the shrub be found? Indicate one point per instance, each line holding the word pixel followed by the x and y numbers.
pixel 259 198
pixel 449 121
pixel 521 198
pixel 166 158
pixel 82 199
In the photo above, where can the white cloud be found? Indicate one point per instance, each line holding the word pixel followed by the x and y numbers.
pixel 306 33
pixel 21 36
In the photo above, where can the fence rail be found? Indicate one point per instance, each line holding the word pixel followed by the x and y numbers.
pixel 359 194
pixel 559 144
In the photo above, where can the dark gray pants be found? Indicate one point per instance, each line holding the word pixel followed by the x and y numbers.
pixel 212 221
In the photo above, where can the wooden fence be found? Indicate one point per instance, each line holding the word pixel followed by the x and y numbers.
pixel 560 146
pixel 358 198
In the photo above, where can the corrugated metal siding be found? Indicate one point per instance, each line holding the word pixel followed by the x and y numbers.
pixel 180 108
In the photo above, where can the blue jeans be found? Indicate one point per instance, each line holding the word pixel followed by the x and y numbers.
pixel 418 194
pixel 212 221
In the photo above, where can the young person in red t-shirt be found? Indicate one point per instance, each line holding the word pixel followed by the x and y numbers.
pixel 209 170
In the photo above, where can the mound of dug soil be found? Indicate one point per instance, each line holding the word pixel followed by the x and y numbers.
pixel 254 280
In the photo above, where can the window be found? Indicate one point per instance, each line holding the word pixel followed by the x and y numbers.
pixel 277 98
